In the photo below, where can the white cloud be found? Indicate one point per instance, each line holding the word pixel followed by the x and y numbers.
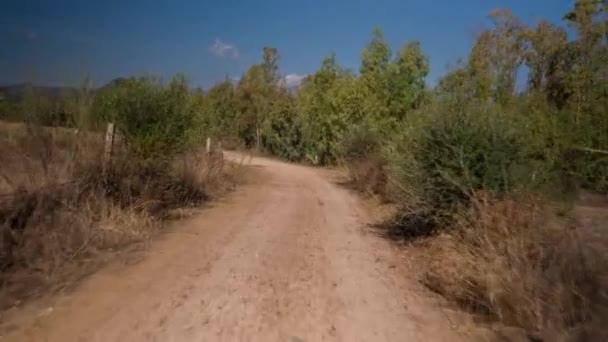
pixel 224 50
pixel 293 80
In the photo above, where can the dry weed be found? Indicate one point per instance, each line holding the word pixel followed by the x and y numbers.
pixel 60 216
pixel 59 240
pixel 368 175
pixel 521 265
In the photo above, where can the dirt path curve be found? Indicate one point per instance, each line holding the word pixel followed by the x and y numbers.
pixel 286 257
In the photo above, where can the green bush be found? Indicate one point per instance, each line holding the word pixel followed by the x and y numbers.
pixel 282 130
pixel 153 118
pixel 443 158
pixel 585 161
pixel 589 168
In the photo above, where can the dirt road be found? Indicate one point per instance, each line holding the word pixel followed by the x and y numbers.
pixel 287 257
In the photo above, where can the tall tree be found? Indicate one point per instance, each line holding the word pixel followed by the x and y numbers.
pixel 270 65
pixel 588 64
pixel 376 56
pixel 497 56
pixel 545 42
pixel 218 110
pixel 375 61
pixel 317 108
pixel 257 91
pixel 251 94
pixel 407 85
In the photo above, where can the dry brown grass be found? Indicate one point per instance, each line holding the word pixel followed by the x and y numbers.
pixel 60 217
pixel 61 240
pixel 519 264
pixel 34 157
pixel 368 175
pixel 209 172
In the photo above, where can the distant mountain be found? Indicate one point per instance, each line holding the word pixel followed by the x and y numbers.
pixel 16 91
pixel 113 83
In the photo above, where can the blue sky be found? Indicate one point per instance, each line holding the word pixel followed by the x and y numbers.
pixel 57 42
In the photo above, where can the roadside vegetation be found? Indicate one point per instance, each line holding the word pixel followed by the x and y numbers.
pixel 501 167
pixel 62 212
pixel 504 181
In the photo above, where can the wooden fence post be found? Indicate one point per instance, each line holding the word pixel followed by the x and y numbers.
pixel 107 155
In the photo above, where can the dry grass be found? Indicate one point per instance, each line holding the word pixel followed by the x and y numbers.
pixel 60 217
pixel 368 175
pixel 519 264
pixel 63 240
pixel 34 157
pixel 209 172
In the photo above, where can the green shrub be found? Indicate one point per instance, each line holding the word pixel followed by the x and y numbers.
pixel 153 118
pixel 585 160
pixel 589 168
pixel 444 157
pixel 282 130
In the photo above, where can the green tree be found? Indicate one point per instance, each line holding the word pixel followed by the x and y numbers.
pixel 407 84
pixel 217 111
pixel 270 65
pixel 251 105
pixel 319 117
pixel 256 92
pixel 545 42
pixel 375 63
pixel 496 57
pixel 153 117
pixel 282 128
pixel 586 85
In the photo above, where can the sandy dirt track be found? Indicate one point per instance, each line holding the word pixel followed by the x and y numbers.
pixel 288 256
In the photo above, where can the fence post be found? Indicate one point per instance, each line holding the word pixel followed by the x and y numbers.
pixel 257 139
pixel 107 155
pixel 208 149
